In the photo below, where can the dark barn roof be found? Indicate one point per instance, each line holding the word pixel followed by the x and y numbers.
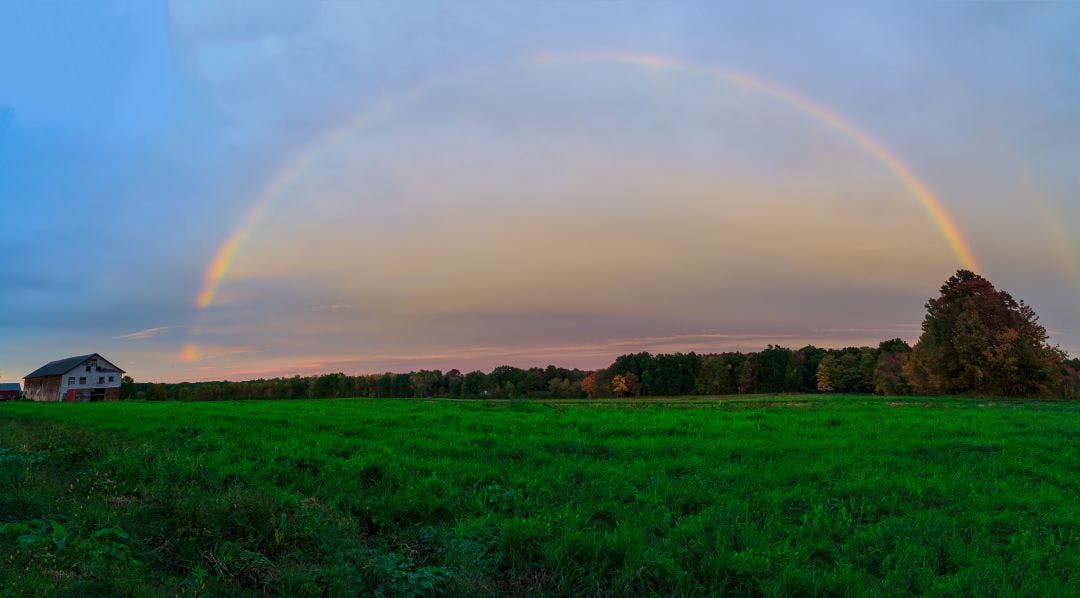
pixel 10 386
pixel 63 366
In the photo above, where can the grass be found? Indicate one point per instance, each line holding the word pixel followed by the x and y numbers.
pixel 815 494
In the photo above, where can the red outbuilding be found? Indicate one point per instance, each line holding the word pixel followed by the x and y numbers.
pixel 10 391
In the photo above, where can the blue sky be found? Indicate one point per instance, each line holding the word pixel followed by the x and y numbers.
pixel 500 211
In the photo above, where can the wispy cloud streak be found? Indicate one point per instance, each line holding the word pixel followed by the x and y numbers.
pixel 143 334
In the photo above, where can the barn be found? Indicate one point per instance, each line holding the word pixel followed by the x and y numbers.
pixel 80 378
pixel 10 391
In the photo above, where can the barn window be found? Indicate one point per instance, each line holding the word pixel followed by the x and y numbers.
pixel 88 368
pixel 110 378
pixel 82 380
pixel 71 380
pixel 101 380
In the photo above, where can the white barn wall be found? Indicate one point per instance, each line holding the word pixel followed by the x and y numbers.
pixel 91 378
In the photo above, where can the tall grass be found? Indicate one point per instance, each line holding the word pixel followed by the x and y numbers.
pixel 776 495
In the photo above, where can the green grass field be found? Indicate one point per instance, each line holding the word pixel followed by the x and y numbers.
pixel 767 495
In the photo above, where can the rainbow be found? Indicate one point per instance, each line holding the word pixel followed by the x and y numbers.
pixel 221 263
pixel 1032 192
pixel 224 257
pixel 945 223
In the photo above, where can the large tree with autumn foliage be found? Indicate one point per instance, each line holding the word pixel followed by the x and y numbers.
pixel 977 339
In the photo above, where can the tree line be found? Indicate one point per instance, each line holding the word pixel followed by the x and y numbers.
pixel 975 339
pixel 772 370
pixel 775 369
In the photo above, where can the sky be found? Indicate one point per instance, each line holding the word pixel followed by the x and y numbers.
pixel 206 190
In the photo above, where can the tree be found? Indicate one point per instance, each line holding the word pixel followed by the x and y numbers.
pixel 625 385
pixel 716 377
pixel 812 356
pixel 775 369
pixel 977 339
pixel 506 390
pixel 825 373
pixel 847 370
pixel 889 377
pixel 746 375
pixel 474 384
pixel 504 374
pixel 327 386
pixel 127 388
pixel 533 381
pixel 1070 384
pixel 896 345
pixel 671 374
pixel 424 382
pixel 634 363
pixel 588 385
pixel 454 381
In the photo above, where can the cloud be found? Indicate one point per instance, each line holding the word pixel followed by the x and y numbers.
pixel 143 334
pixel 332 307
pixel 899 328
pixel 223 362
